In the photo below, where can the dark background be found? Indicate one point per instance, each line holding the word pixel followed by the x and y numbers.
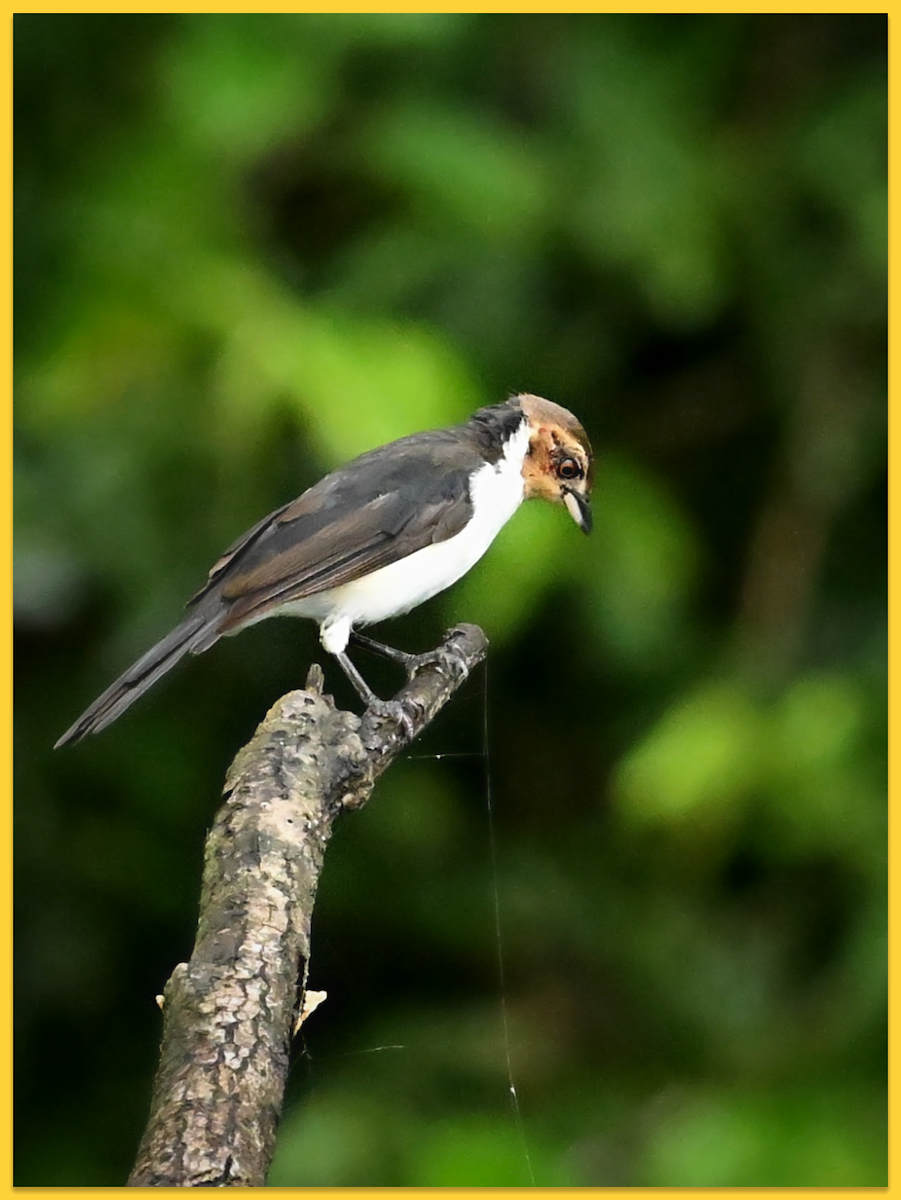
pixel 249 247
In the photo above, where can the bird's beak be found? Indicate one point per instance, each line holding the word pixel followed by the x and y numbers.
pixel 578 508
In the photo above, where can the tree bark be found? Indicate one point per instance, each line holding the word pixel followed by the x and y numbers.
pixel 230 1013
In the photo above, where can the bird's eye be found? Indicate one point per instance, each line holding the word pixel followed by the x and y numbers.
pixel 568 468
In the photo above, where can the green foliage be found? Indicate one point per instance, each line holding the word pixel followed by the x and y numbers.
pixel 251 246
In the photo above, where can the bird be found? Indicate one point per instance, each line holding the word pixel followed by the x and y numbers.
pixel 375 538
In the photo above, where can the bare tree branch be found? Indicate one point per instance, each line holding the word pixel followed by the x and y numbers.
pixel 230 1013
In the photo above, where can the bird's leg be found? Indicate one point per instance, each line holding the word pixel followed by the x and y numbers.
pixel 363 690
pixel 410 662
pixel 385 708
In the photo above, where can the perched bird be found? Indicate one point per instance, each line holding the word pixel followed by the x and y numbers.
pixel 375 538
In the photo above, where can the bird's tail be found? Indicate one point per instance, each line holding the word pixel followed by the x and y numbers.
pixel 194 635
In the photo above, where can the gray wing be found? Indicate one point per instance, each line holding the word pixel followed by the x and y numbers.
pixel 378 509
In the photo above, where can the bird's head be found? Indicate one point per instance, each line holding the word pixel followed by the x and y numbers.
pixel 559 465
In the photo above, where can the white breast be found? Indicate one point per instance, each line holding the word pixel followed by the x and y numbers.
pixel 496 491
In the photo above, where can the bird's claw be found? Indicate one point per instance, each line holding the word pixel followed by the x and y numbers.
pixel 441 658
pixel 393 710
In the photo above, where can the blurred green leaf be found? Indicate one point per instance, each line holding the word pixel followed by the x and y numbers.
pixel 238 86
pixel 462 167
pixel 643 562
pixel 250 246
pixel 702 758
pixel 722 1139
pixel 482 1151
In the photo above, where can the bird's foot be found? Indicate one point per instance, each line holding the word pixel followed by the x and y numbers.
pixel 412 663
pixel 394 711
pixel 442 658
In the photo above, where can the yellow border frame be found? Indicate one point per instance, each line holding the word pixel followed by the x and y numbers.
pixel 895 724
